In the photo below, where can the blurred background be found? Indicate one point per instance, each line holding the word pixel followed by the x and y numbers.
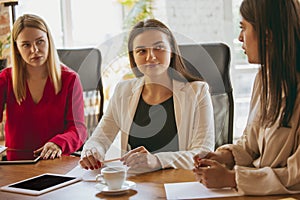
pixel 104 24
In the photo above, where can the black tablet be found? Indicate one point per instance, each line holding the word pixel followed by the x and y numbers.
pixel 40 184
pixel 17 157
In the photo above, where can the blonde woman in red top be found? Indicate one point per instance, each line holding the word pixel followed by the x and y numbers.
pixel 43 99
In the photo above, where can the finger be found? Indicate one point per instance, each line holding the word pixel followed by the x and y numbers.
pixel 38 151
pixel 43 153
pixel 208 155
pixel 140 149
pixel 98 158
pixel 132 158
pixel 84 163
pixel 198 178
pixel 127 155
pixel 198 171
pixel 59 153
pixel 197 161
pixel 207 162
pixel 197 158
pixel 136 158
pixel 53 154
pixel 197 175
pixel 47 154
pixel 90 161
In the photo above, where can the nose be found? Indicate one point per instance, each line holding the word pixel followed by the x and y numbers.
pixel 34 48
pixel 150 55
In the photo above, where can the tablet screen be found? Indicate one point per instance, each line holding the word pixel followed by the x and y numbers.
pixel 17 156
pixel 42 182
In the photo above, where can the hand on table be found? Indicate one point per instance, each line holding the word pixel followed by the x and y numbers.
pixel 140 159
pixel 212 174
pixel 222 156
pixel 49 150
pixel 91 159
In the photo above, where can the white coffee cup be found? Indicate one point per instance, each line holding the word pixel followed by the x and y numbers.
pixel 113 176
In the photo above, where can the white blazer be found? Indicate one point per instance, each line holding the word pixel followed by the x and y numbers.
pixel 193 113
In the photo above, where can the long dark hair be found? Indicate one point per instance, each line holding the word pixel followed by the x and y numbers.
pixel 277 24
pixel 180 72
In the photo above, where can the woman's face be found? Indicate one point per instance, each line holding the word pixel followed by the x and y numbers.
pixel 250 44
pixel 33 46
pixel 152 52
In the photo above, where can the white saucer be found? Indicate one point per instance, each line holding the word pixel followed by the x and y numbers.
pixel 126 186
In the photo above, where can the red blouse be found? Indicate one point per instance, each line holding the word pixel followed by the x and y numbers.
pixel 55 118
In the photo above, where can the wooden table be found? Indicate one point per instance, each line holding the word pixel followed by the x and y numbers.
pixel 149 186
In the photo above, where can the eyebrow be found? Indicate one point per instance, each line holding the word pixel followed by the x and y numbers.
pixel 25 41
pixel 155 43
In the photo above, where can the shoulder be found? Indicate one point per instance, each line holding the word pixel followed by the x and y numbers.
pixel 129 83
pixel 196 86
pixel 6 73
pixel 68 73
pixel 7 70
pixel 127 87
pixel 199 85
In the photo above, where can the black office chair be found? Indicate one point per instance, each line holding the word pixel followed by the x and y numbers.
pixel 87 63
pixel 211 61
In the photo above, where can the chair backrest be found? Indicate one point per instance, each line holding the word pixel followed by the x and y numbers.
pixel 211 61
pixel 87 63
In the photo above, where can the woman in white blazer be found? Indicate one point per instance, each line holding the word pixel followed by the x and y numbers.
pixel 165 115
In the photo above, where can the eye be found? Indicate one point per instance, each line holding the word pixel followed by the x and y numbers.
pixel 159 47
pixel 40 41
pixel 242 28
pixel 140 51
pixel 25 45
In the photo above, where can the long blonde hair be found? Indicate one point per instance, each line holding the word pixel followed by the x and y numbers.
pixel 18 64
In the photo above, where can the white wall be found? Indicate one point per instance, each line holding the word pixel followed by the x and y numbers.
pixel 197 20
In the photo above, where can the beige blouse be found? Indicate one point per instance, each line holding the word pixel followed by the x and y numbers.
pixel 268 160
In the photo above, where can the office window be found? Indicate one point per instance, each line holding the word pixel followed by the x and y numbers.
pixel 77 23
pixel 243 75
pixel 49 10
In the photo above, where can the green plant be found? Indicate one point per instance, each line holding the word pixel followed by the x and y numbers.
pixel 138 10
pixel 4 44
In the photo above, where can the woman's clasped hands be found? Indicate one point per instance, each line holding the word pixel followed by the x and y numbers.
pixel 212 172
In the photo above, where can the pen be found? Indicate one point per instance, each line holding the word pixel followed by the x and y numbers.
pixel 111 160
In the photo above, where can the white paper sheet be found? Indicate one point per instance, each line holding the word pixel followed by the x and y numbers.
pixel 195 190
pixel 85 175
pixel 90 175
pixel 2 148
